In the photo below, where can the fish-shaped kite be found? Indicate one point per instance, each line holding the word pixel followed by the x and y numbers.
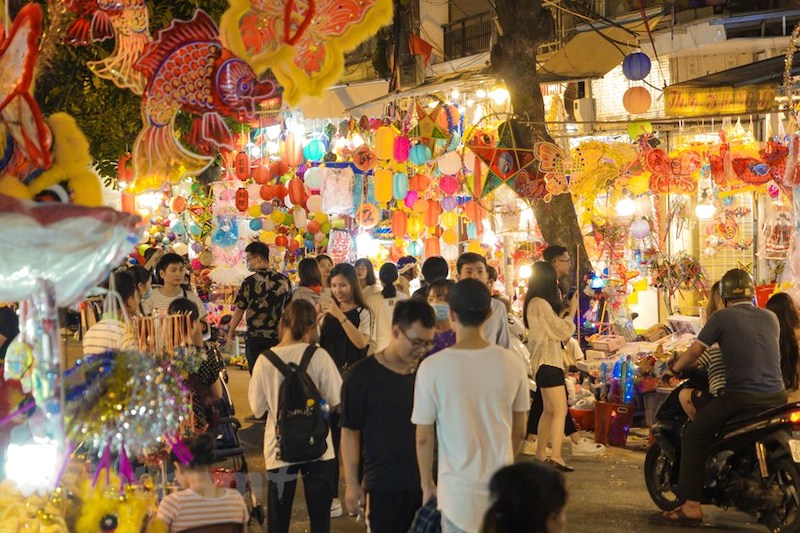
pixel 188 69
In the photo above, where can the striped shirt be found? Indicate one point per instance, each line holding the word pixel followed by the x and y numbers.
pixel 158 303
pixel 187 509
pixel 711 360
pixel 108 334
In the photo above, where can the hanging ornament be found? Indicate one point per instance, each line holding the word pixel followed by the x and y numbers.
pixel 431 215
pixel 636 100
pixel 313 178
pixel 419 182
pixel 384 142
pixel 432 248
pixel 364 158
pixel 411 199
pixel 242 199
pixel 383 185
pixel 241 165
pixel 420 154
pixel 636 66
pixel 297 192
pixel 402 146
pixel 400 185
pixel 399 223
pixel 314 150
pixel 367 216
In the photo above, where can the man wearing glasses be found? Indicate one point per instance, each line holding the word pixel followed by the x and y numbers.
pixel 377 399
pixel 558 256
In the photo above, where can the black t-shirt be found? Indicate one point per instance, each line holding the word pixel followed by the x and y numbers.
pixel 9 328
pixel 333 338
pixel 378 402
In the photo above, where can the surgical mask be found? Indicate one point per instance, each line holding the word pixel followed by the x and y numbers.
pixel 442 311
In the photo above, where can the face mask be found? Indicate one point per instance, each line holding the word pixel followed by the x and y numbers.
pixel 442 311
pixel 147 294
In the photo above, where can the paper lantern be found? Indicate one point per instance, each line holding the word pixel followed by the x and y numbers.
pixel 241 165
pixel 278 168
pixel 399 223
pixel 177 204
pixel 364 158
pixel 411 199
pixel 449 220
pixel 367 216
pixel 449 184
pixel 637 129
pixel 314 150
pixel 419 182
pixel 261 174
pixel 419 154
pixel 255 224
pixel 267 237
pixel 313 178
pixel 321 217
pixel 281 241
pixel 242 199
pixel 383 185
pixel 450 252
pixel 414 226
pixel 384 142
pixel 397 251
pixel 400 185
pixel 432 248
pixel 475 247
pixel 402 145
pixel 267 191
pixel 180 248
pixel 300 218
pixel 297 192
pixel 414 248
pixel 254 211
pixel 431 215
pixel 449 203
pixel 472 231
pixel 473 211
pixel 314 203
pixel 293 154
pixel 636 66
pixel 267 208
pixel 636 100
pixel 450 163
pixel 449 236
pixel 267 224
pixel 281 191
pixel 420 206
pixel 278 217
pixel 640 229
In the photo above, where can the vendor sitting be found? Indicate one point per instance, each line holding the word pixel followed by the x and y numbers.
pixel 200 503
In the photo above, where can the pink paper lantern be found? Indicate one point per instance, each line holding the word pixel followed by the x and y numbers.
pixel 411 199
pixel 449 184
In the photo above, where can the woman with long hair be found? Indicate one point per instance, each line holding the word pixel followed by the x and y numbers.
pixel 784 308
pixel 383 305
pixel 345 333
pixel 367 280
pixel 325 265
pixel 309 286
pixel 548 328
pixel 143 280
pixel 296 329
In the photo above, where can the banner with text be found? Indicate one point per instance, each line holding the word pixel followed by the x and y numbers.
pixel 703 101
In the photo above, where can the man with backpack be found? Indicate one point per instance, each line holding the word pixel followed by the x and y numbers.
pixel 377 399
pixel 296 384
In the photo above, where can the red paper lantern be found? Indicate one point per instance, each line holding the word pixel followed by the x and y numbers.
pixel 125 169
pixel 431 216
pixel 432 247
pixel 313 226
pixel 399 223
pixel 241 165
pixel 242 199
pixel 267 192
pixel 281 191
pixel 294 150
pixel 282 241
pixel 177 204
pixel 278 168
pixel 419 182
pixel 297 192
pixel 473 211
pixel 261 174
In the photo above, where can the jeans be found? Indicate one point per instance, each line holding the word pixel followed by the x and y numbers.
pixel 282 483
pixel 255 346
pixel 449 527
pixel 699 435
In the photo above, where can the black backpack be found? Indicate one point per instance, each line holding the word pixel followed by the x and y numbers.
pixel 302 422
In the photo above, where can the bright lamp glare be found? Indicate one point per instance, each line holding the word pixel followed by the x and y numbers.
pixel 499 95
pixel 255 151
pixel 273 132
pixel 32 467
pixel 454 94
pixel 705 210
pixel 525 272
pixel 626 206
pixel 480 93
pixel 366 246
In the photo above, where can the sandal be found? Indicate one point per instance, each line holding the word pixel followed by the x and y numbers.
pixel 558 466
pixel 678 516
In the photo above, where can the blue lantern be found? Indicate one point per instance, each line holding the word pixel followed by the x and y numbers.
pixel 414 248
pixel 256 224
pixel 400 185
pixel 472 231
pixel 314 150
pixel 636 66
pixel 419 154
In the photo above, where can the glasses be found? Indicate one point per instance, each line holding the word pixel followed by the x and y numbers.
pixel 419 344
pixel 564 260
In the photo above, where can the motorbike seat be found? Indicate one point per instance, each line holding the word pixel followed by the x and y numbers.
pixel 752 415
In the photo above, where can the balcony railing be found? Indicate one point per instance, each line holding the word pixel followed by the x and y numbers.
pixel 468 36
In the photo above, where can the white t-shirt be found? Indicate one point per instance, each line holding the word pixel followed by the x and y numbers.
pixel 471 396
pixel 495 329
pixel 158 303
pixel 384 309
pixel 266 382
pixel 108 334
pixel 187 509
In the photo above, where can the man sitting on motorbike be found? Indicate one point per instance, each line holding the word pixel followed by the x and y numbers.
pixel 748 337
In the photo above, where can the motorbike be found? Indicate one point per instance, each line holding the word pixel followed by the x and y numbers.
pixel 753 465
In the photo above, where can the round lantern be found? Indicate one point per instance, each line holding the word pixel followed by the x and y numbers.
pixel 364 158
pixel 293 150
pixel 300 218
pixel 402 145
pixel 180 248
pixel 400 185
pixel 281 191
pixel 399 223
pixel 314 150
pixel 241 165
pixel 261 174
pixel 267 191
pixel 255 210
pixel 384 142
pixel 636 100
pixel 383 185
pixel 411 199
pixel 267 208
pixel 314 203
pixel 473 211
pixel 419 182
pixel 450 252
pixel 448 184
pixel 313 226
pixel 449 203
pixel 640 229
pixel 267 237
pixel 449 220
pixel 367 216
pixel 431 215
pixel 450 163
pixel 278 217
pixel 177 204
pixel 278 168
pixel 449 236
pixel 637 129
pixel 421 206
pixel 432 248
pixel 474 247
pixel 313 178
pixel 472 231
pixel 255 224
pixel 281 241
pixel 414 226
pixel 636 66
pixel 297 193
pixel 242 199
pixel 419 154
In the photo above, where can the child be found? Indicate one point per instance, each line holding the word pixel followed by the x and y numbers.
pixel 444 337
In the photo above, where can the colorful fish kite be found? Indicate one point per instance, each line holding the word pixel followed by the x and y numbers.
pixel 303 41
pixel 187 69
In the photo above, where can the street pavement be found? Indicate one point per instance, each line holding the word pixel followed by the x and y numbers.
pixel 607 494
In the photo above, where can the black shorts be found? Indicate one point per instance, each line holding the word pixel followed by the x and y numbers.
pixel 549 376
pixel 701 398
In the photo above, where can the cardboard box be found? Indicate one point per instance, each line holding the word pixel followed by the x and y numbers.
pixel 608 343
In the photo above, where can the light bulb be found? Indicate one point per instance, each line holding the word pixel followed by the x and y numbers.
pixel 525 272
pixel 626 206
pixel 499 95
pixel 273 132
pixel 432 104
pixel 255 151
pixel 705 208
pixel 454 94
pixel 480 93
pixel 470 101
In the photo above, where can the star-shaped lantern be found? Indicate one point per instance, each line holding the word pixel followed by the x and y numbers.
pixel 427 128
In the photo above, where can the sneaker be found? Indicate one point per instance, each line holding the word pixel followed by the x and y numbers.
pixel 587 447
pixel 529 447
pixel 336 508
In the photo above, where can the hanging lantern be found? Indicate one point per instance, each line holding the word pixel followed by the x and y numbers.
pixel 242 199
pixel 300 218
pixel 449 236
pixel 364 158
pixel 449 203
pixel 313 178
pixel 637 129
pixel 254 210
pixel 450 163
pixel 266 208
pixel 367 216
pixel 402 145
pixel 399 223
pixel 636 66
pixel 293 151
pixel 449 184
pixel 411 199
pixel 472 231
pixel 449 220
pixel 281 241
pixel 177 204
pixel 636 100
pixel 314 203
pixel 297 193
pixel 421 206
pixel 261 174
pixel 432 212
pixel 397 250
pixel 384 142
pixel 125 169
pixel 414 227
pixel 473 211
pixel 419 154
pixel 256 224
pixel 241 165
pixel 278 217
pixel 314 150
pixel 383 186
pixel 432 248
pixel 640 229
pixel 414 248
pixel 400 185
pixel 419 182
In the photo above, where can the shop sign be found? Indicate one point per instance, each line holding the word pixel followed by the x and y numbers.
pixel 702 101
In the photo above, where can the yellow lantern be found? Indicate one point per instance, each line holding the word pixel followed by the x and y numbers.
pixel 384 142
pixel 449 219
pixel 636 100
pixel 267 237
pixel 383 185
pixel 474 246
pixel 449 236
pixel 255 211
pixel 414 226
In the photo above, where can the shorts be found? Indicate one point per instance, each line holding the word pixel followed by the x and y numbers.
pixel 701 398
pixel 549 376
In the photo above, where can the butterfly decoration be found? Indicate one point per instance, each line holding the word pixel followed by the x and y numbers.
pixel 303 41
pixel 721 165
pixel 555 163
pixel 672 174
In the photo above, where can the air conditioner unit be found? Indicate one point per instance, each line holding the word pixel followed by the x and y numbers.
pixel 583 111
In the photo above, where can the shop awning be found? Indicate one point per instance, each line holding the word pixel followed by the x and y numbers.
pixel 599 47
